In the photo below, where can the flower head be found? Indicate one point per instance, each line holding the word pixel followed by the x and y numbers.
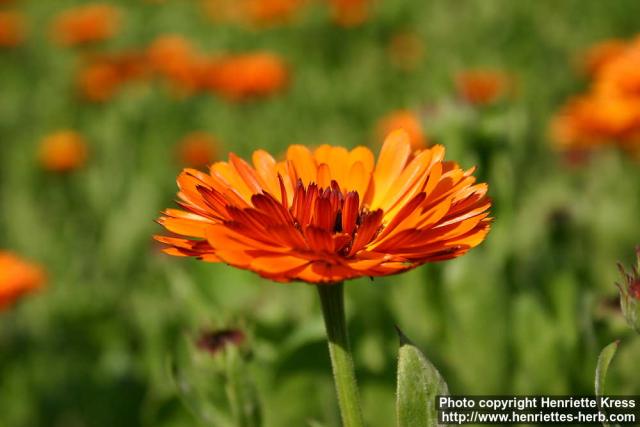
pixel 12 28
pixel 481 87
pixel 349 13
pixel 408 121
pixel 174 58
pixel 17 278
pixel 102 76
pixel 331 214
pixel 198 149
pixel 86 24
pixel 609 113
pixel 259 13
pixel 601 54
pixel 244 76
pixel 630 294
pixel 63 151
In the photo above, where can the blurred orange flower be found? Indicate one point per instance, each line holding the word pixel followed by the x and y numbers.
pixel 622 73
pixel 238 77
pixel 594 120
pixel 86 24
pixel 406 50
pixel 602 53
pixel 349 13
pixel 481 87
pixel 198 149
pixel 609 113
pixel 103 75
pixel 331 214
pixel 269 12
pixel 12 28
pixel 253 12
pixel 63 151
pixel 174 58
pixel 17 278
pixel 407 120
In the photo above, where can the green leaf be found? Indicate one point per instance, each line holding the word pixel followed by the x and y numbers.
pixel 606 355
pixel 419 384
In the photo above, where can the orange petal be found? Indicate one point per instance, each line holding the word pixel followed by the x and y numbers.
pixel 393 158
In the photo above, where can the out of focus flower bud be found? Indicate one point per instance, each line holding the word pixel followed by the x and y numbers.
pixel 630 294
pixel 63 151
pixel 216 341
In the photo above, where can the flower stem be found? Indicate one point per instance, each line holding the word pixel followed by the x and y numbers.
pixel 332 300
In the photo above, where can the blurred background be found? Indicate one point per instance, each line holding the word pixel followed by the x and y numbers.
pixel 102 104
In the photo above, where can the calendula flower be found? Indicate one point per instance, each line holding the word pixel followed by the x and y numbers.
pixel 595 120
pixel 349 13
pixel 408 121
pixel 84 24
pixel 174 58
pixel 198 149
pixel 12 28
pixel 481 87
pixel 609 113
pixel 102 76
pixel 244 76
pixel 63 151
pixel 270 12
pixel 331 214
pixel 621 74
pixel 630 294
pixel 601 54
pixel 252 12
pixel 17 278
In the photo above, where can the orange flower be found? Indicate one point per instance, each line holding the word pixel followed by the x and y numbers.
pixel 239 77
pixel 601 54
pixel 17 278
pixel 609 114
pixel 253 12
pixel 174 58
pixel 63 151
pixel 406 50
pixel 481 87
pixel 269 12
pixel 86 24
pixel 407 121
pixel 349 13
pixel 596 119
pixel 102 76
pixel 622 73
pixel 331 214
pixel 198 149
pixel 12 28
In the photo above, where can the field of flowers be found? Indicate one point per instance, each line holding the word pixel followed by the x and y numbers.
pixel 102 105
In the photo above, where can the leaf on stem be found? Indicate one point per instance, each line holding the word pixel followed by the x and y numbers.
pixel 606 355
pixel 419 384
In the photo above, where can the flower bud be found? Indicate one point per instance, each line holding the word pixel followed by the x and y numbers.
pixel 630 294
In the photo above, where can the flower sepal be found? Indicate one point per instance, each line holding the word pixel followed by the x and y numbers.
pixel 630 293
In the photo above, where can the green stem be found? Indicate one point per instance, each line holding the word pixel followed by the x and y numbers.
pixel 332 300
